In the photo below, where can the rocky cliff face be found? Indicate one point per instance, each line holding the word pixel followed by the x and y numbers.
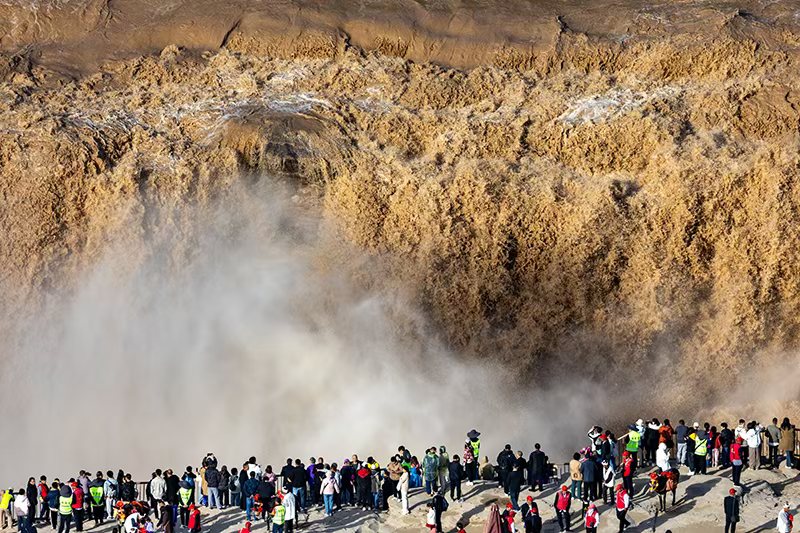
pixel 598 202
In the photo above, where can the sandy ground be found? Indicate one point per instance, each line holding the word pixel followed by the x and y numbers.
pixel 698 508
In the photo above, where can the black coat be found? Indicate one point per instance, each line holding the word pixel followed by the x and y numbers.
pixel 299 477
pixel 173 484
pixel 731 505
pixel 505 460
pixel 514 481
pixel 456 471
pixel 533 522
pixel 537 463
pixel 212 477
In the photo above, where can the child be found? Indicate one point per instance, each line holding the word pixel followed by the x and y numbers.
pixel 246 528
pixel 194 519
pixel 592 519
pixel 278 517
pixel 431 519
pixel 508 516
pixel 460 527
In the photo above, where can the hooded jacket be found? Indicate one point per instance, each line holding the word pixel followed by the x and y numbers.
pixel 662 457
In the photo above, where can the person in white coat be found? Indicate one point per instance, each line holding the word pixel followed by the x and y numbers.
pixel 662 457
pixel 784 520
pixel 291 509
pixel 402 486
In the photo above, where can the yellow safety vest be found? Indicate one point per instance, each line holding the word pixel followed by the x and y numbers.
pixel 633 441
pixel 65 505
pixel 476 448
pixel 700 446
pixel 279 515
pixel 6 500
pixel 186 496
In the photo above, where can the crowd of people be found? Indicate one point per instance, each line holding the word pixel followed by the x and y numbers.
pixel 603 469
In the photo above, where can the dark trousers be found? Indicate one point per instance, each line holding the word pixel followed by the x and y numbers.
pixel 472 471
pixel 773 456
pixel 32 513
pixel 98 513
pixel 288 526
pixel 700 464
pixel 54 519
pixel 44 511
pixel 608 494
pixel 744 453
pixel 725 456
pixel 224 497
pixel 77 516
pixel 589 491
pixel 737 474
pixel 627 482
pixel 455 490
pixel 64 523
pixel 623 522
pixel 563 520
pixel 730 525
pixel 184 516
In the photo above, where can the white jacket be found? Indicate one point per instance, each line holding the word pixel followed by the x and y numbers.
pixel 753 438
pixel 21 505
pixel 158 487
pixel 288 504
pixel 662 457
pixel 783 521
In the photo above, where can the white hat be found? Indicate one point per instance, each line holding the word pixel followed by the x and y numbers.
pixel 639 422
pixel 696 425
pixel 786 505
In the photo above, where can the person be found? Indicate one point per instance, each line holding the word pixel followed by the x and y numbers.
pixel 329 489
pixel 698 436
pixel 514 486
pixel 773 442
pixel 726 439
pixel 785 519
pixel 97 499
pixel 299 478
pixel 235 488
pixel 588 468
pixel 531 520
pixel 22 508
pixel 788 442
pixel 430 518
pixel 364 487
pixel 575 475
pixel 634 438
pixel 405 455
pixel 131 523
pixel 487 470
pixel 741 431
pixel 681 432
pixel 7 509
pixel 127 491
pixel 591 519
pixel 212 479
pixel 444 468
pixel 505 459
pixel 508 517
pixel 394 470
pixel 753 438
pixel 440 505
pixel 165 523
pixel 470 463
pixel 561 504
pixel 474 441
pixel 494 522
pixel 430 470
pixel 736 461
pixel 537 464
pixel 185 501
pixel 347 476
pixel 278 517
pixel 609 477
pixel 455 476
pixel 194 519
pixel 246 528
pixel 731 507
pixel 224 486
pixel 52 503
pixel 77 505
pixel 290 505
pixel 111 491
pixel 32 493
pixel 42 490
pixel 158 491
pixel 650 440
pixel 628 471
pixel 460 527
pixel 65 501
pixel 403 488
pixel 622 504
pixel 662 457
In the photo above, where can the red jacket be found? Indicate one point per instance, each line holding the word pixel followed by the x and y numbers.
pixel 77 501
pixel 627 467
pixel 194 520
pixel 736 452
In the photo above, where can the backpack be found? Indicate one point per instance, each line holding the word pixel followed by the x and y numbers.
pixel 445 505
